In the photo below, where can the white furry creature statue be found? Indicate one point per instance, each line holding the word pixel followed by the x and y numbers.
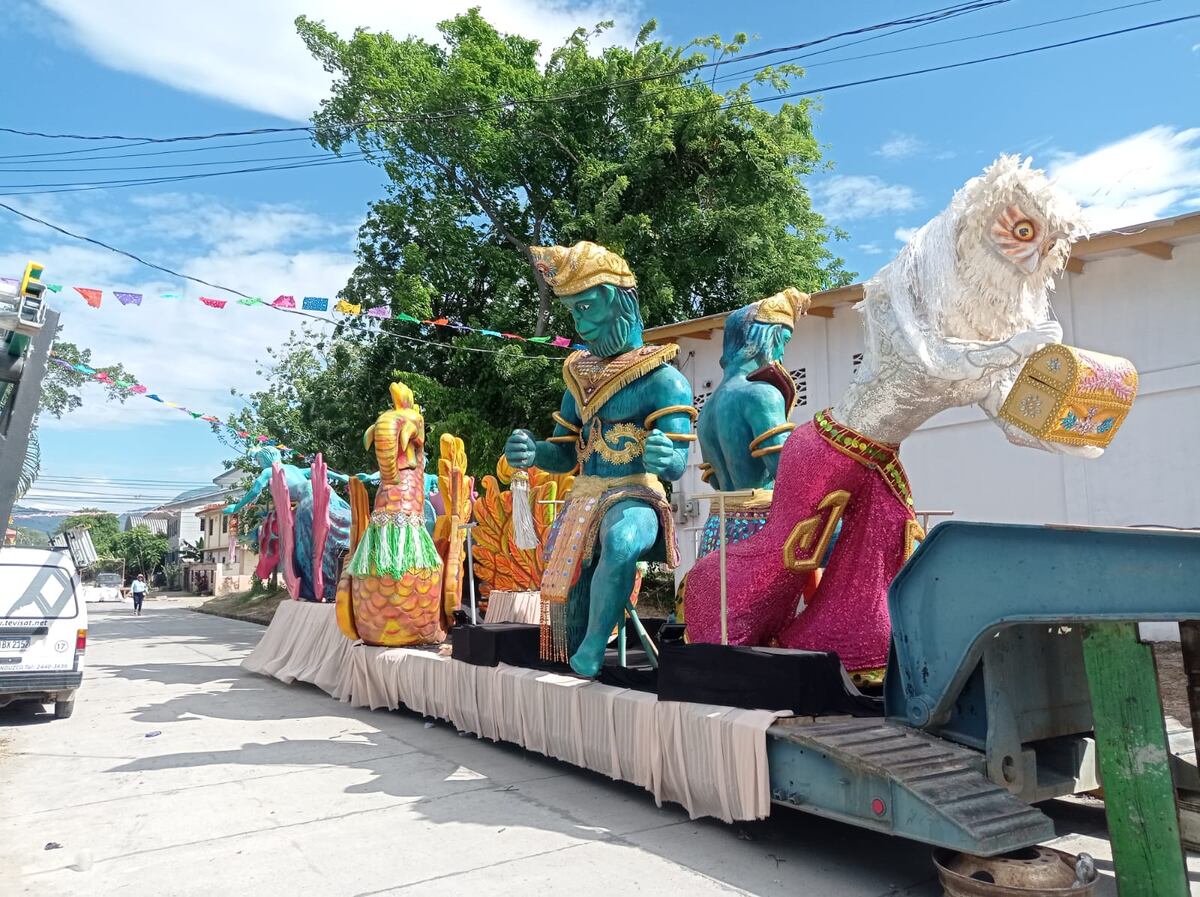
pixel 949 322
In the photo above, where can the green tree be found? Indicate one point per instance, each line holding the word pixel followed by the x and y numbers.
pixel 104 528
pixel 702 191
pixel 141 549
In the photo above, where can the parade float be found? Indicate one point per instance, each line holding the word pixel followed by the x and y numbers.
pixel 1009 665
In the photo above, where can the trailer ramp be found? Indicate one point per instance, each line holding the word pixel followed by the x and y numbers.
pixel 893 778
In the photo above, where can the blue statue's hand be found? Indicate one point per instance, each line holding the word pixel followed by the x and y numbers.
pixel 336 477
pixel 658 453
pixel 521 449
pixel 368 477
pixel 231 509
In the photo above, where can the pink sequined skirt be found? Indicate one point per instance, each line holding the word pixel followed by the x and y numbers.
pixel 848 613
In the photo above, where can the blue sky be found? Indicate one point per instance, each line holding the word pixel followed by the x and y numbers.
pixel 1117 121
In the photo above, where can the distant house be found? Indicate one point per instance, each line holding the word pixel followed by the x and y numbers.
pixel 225 565
pixel 182 525
pixel 154 524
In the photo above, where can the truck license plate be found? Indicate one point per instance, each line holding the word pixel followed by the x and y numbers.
pixel 13 644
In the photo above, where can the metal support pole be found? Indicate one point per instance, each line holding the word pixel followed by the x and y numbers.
pixel 721 549
pixel 470 567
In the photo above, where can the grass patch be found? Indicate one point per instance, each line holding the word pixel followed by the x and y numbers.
pixel 253 607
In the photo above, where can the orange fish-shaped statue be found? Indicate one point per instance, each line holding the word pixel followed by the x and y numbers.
pixel 390 593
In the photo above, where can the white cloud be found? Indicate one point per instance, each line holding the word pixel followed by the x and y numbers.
pixel 246 52
pixel 904 234
pixel 1135 179
pixel 847 197
pixel 870 248
pixel 900 146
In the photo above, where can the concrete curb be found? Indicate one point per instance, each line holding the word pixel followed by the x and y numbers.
pixel 244 618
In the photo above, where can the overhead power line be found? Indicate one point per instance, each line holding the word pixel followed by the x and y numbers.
pixel 53 158
pixel 83 186
pixel 941 43
pixel 927 17
pixel 754 101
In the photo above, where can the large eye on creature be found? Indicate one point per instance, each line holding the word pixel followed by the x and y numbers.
pixel 1015 235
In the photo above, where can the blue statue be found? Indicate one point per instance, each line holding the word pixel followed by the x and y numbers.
pixel 300 493
pixel 745 421
pixel 626 419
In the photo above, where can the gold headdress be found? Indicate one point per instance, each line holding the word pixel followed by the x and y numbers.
pixel 573 269
pixel 783 308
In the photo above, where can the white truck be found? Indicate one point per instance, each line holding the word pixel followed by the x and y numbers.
pixel 43 628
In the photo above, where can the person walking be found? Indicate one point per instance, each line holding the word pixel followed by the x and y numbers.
pixel 139 589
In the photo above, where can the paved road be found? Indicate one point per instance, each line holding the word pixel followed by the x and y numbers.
pixel 181 774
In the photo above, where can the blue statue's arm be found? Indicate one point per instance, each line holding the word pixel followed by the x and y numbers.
pixel 371 478
pixel 255 490
pixel 766 415
pixel 671 424
pixel 559 453
pixel 334 477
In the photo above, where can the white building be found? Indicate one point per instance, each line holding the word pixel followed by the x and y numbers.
pixel 182 524
pixel 1134 293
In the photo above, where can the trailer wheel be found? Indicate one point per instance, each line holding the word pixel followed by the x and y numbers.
pixel 63 709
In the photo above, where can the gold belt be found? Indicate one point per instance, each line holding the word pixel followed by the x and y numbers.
pixel 586 486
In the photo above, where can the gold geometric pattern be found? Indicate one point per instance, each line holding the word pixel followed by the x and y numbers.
pixel 806 545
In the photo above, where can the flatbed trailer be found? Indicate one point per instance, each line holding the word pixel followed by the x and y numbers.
pixel 1016 675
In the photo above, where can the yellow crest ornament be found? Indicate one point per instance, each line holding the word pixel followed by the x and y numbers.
pixel 783 308
pixel 573 269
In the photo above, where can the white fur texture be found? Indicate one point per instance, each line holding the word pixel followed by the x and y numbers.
pixel 958 282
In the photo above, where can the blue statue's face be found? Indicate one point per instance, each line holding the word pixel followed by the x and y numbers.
pixel 607 319
pixel 782 337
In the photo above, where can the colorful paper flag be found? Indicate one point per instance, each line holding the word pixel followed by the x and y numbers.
pixel 138 389
pixel 251 301
pixel 561 341
pixel 315 303
pixel 196 414
pixel 403 317
pixel 242 434
pixel 262 438
pixel 54 287
pixel 84 369
pixel 284 302
pixel 441 322
pixel 92 297
pixel 211 419
pixel 379 311
pixel 539 339
pixel 348 308
pixel 151 395
pixel 213 303
pixel 579 346
pixel 490 332
pixel 512 336
pixel 128 298
pixel 168 296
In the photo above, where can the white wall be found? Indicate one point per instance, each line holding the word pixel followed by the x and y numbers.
pixel 1131 305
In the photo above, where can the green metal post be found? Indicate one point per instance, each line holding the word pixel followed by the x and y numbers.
pixel 1135 770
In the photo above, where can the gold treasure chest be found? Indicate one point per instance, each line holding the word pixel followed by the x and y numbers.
pixel 1072 396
